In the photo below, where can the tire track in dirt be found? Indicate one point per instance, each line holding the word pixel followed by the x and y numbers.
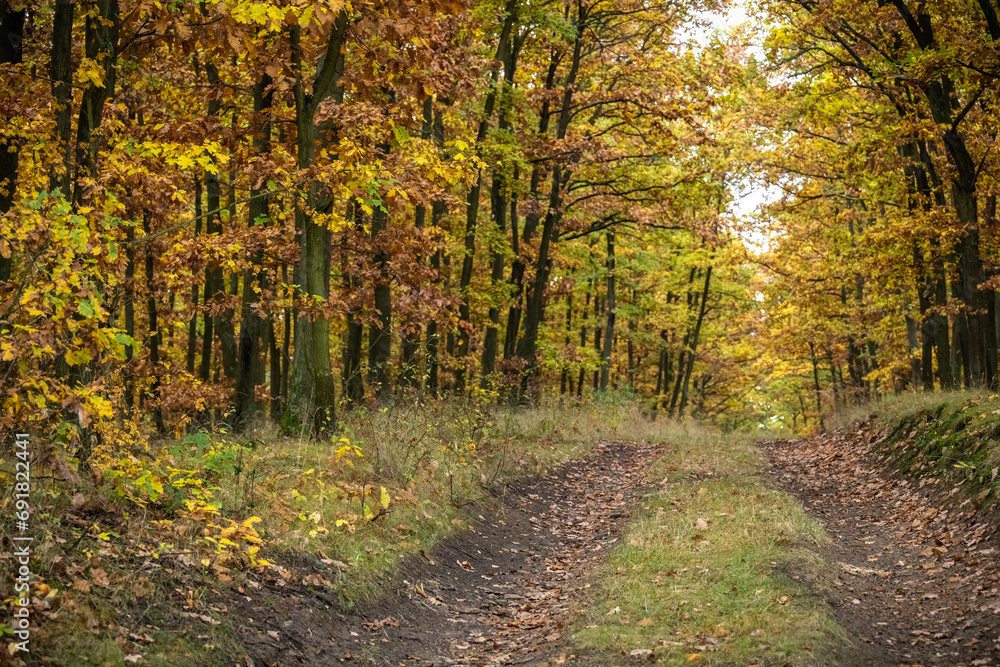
pixel 498 593
pixel 918 579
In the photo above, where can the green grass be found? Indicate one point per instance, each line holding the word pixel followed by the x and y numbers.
pixel 699 575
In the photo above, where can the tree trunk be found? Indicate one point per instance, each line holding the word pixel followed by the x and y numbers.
pixel 609 332
pixel 819 400
pixel 154 331
pixel 61 73
pixel 583 336
pixel 598 311
pixel 130 312
pixel 192 343
pixel 380 331
pixel 11 41
pixel 438 210
pixel 410 337
pixel 694 341
pixel 254 328
pixel 100 45
pixel 472 203
pixel 911 338
pixel 311 400
pixel 353 383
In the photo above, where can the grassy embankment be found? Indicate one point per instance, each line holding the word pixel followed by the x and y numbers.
pixel 947 442
pixel 698 576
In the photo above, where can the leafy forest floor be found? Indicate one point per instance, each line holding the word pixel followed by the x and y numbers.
pixel 653 543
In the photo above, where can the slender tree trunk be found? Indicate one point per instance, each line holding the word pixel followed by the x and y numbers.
pixel 380 331
pixel 286 339
pixel 692 355
pixel 410 336
pixel 61 73
pixel 609 333
pixel 438 210
pixel 566 382
pixel 154 330
pixel 192 343
pixel 598 311
pixel 100 45
pixel 531 220
pixel 11 41
pixel 833 378
pixel 911 337
pixel 224 325
pixel 819 400
pixel 583 336
pixel 130 313
pixel 354 386
pixel 535 309
pixel 275 372
pixel 255 329
pixel 472 203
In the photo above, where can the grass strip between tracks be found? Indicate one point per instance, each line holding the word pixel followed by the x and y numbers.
pixel 705 571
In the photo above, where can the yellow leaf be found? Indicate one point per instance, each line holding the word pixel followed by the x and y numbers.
pixel 384 498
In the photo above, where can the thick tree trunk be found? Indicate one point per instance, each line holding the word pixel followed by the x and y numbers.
pixel 311 400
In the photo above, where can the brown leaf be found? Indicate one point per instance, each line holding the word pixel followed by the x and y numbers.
pixel 100 576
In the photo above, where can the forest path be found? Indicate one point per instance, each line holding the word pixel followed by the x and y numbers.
pixel 498 592
pixel 918 579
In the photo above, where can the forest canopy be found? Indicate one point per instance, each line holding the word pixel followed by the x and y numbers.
pixel 239 211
